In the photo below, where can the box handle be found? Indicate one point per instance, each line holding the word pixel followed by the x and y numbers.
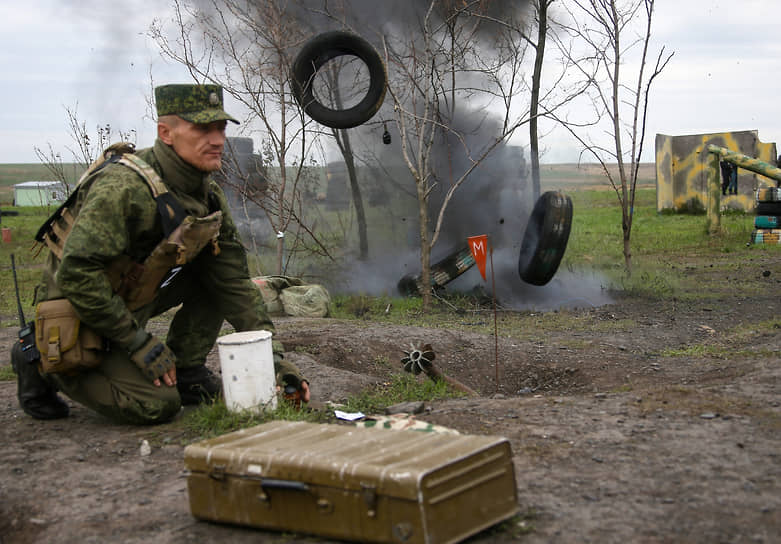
pixel 324 506
pixel 272 483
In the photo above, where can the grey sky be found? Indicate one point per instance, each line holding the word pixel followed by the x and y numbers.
pixel 725 73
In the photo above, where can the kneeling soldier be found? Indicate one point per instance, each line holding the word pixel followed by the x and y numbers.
pixel 144 232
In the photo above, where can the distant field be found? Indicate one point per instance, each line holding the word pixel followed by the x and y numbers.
pixel 11 174
pixel 572 176
pixel 569 176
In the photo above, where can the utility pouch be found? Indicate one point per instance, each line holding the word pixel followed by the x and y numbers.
pixel 139 286
pixel 66 345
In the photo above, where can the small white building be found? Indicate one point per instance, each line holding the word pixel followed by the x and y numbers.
pixel 39 193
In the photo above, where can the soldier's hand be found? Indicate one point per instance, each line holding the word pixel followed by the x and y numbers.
pixel 169 378
pixel 156 360
pixel 304 390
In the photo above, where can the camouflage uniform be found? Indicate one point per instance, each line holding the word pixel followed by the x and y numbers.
pixel 116 215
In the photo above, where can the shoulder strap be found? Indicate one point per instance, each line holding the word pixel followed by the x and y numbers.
pixel 171 212
pixel 147 173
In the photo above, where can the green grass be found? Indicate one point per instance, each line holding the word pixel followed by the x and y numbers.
pixel 662 245
pixel 402 388
pixel 723 346
pixel 209 420
pixel 595 246
pixel 7 373
pixel 28 265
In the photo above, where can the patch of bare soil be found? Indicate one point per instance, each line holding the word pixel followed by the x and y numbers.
pixel 612 441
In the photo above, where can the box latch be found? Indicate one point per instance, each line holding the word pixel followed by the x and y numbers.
pixel 369 493
pixel 217 472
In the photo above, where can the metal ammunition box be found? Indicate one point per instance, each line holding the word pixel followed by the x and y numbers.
pixel 351 483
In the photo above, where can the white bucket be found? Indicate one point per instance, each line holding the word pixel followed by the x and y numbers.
pixel 247 362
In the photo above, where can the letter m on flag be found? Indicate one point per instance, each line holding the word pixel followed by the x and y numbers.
pixel 478 245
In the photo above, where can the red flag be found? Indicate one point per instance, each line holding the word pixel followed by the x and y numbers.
pixel 478 245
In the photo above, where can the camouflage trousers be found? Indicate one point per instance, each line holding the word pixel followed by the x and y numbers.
pixel 117 388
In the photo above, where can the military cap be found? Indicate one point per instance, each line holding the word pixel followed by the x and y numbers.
pixel 195 103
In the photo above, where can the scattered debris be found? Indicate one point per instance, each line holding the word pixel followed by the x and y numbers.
pixel 404 422
pixel 413 407
pixel 348 416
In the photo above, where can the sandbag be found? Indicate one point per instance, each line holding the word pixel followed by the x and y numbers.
pixel 270 287
pixel 306 301
pixel 287 295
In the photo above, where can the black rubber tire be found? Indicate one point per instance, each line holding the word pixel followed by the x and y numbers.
pixel 442 272
pixel 319 50
pixel 545 239
pixel 768 208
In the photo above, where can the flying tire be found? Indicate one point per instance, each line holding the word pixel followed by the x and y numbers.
pixel 545 239
pixel 319 50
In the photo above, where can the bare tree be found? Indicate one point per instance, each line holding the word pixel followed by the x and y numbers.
pixel 246 47
pixel 343 143
pixel 541 7
pixel 553 85
pixel 605 31
pixel 434 73
pixel 85 150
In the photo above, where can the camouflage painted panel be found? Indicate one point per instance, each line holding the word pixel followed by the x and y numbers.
pixel 683 167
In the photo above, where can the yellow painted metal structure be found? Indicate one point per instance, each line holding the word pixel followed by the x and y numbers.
pixel 682 169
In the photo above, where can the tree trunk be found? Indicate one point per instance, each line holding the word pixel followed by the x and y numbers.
pixel 280 253
pixel 626 222
pixel 534 143
pixel 360 214
pixel 425 247
pixel 627 253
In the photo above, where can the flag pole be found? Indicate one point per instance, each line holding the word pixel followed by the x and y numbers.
pixel 496 328
pixel 479 246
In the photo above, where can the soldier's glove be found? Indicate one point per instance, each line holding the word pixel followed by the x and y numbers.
pixel 153 357
pixel 289 380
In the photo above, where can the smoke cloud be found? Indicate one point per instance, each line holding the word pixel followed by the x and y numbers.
pixel 496 198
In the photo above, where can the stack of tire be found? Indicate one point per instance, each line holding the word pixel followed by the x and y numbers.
pixel 767 223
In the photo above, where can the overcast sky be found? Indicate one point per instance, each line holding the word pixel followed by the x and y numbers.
pixel 725 75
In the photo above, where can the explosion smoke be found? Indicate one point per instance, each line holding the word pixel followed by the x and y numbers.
pixel 494 200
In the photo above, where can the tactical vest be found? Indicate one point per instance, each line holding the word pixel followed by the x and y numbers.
pixel 184 235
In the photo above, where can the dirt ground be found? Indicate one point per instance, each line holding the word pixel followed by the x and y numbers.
pixel 613 441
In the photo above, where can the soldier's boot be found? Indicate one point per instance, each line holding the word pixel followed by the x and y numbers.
pixel 197 384
pixel 37 397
